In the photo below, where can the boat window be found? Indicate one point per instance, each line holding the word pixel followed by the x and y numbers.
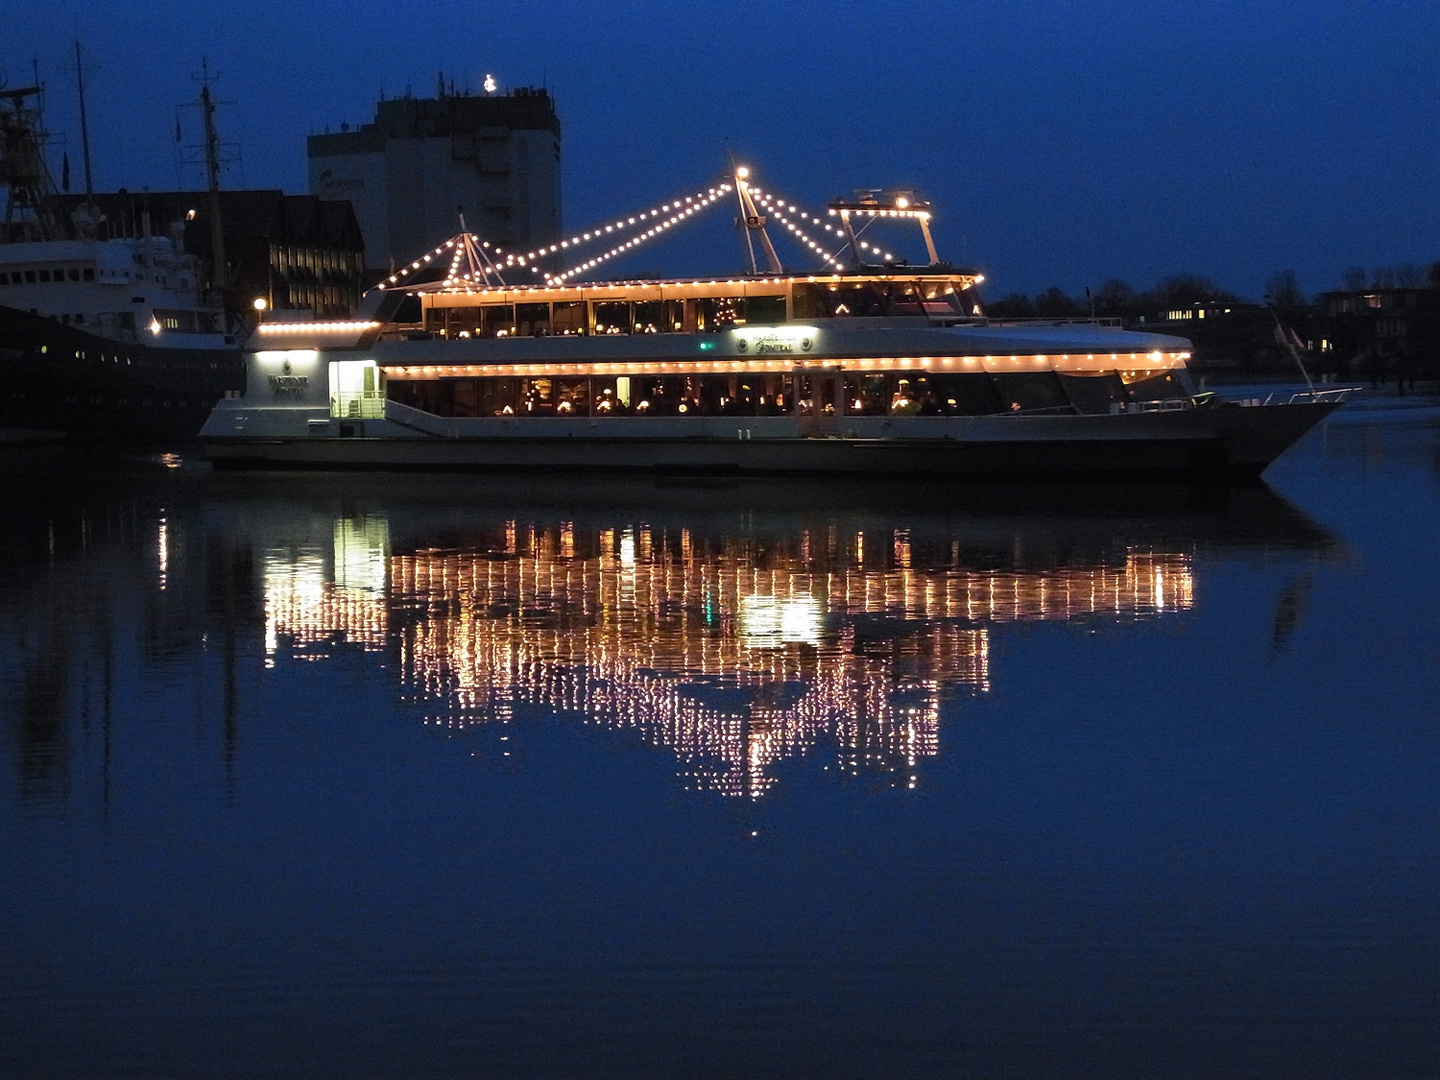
pixel 498 397
pixel 568 317
pixel 89 273
pixel 182 321
pixel 765 309
pixel 497 320
pixel 1032 391
pixel 649 317
pixel 44 275
pixel 972 394
pixel 867 394
pixel 572 397
pixel 537 397
pixel 1095 394
pixel 612 317
pixel 717 313
pixel 29 277
pixel 1146 386
pixel 532 320
pixel 673 316
pixel 74 273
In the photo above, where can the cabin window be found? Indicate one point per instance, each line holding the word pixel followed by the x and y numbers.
pixel 572 397
pixel 612 317
pixel 453 322
pixel 532 320
pixel 89 273
pixel 568 317
pixel 717 313
pixel 765 309
pixel 29 277
pixel 971 394
pixel 182 321
pixel 74 273
pixel 867 394
pixel 1032 391
pixel 498 397
pixel 1095 394
pixel 497 320
pixel 44 275
pixel 649 317
pixel 537 397
pixel 1145 386
pixel 816 300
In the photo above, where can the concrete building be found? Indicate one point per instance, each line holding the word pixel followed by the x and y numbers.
pixel 296 252
pixel 411 172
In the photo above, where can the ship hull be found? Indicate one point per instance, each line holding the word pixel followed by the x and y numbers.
pixel 1230 443
pixel 60 379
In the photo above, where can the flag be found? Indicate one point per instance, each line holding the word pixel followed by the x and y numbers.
pixel 65 171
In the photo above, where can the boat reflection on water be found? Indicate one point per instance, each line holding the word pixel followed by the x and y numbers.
pixel 732 627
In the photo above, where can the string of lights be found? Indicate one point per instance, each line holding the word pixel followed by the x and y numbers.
pixel 777 205
pixel 474 261
pixel 777 211
pixel 675 212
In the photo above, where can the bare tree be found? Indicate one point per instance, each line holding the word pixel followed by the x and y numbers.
pixel 1283 289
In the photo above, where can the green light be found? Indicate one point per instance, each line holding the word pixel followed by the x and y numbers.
pixel 706 346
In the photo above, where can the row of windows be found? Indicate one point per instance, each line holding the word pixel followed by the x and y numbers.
pixel 809 300
pixel 32 276
pixel 857 394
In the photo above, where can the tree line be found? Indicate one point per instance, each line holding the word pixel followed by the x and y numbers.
pixel 1116 299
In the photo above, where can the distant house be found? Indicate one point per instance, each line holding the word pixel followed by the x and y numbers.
pixel 296 252
pixel 1380 332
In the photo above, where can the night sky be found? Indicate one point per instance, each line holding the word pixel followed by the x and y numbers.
pixel 1062 143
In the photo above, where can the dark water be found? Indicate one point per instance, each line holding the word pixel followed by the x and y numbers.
pixel 398 776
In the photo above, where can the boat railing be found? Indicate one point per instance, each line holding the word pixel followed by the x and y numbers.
pixel 1316 396
pixel 358 405
pixel 1160 405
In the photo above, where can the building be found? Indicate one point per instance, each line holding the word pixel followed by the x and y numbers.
pixel 1384 332
pixel 411 173
pixel 296 252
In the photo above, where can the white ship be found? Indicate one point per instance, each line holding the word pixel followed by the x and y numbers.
pixel 866 367
pixel 98 334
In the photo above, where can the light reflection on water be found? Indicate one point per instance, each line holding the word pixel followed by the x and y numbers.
pixel 732 651
pixel 394 775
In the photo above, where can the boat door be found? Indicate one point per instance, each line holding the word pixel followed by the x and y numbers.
pixel 819 400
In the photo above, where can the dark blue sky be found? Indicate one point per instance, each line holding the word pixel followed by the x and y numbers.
pixel 1062 143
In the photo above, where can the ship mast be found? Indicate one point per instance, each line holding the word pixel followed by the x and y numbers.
pixel 84 126
pixel 752 221
pixel 28 211
pixel 212 176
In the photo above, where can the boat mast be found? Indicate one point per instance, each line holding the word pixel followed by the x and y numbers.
pixel 84 126
pixel 23 170
pixel 752 221
pixel 212 176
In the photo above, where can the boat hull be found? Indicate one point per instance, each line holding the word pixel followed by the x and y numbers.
pixel 1234 443
pixel 56 378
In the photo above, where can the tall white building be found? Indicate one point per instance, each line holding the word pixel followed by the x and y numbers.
pixel 409 175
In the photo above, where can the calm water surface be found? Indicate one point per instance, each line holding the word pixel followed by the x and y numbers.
pixel 416 776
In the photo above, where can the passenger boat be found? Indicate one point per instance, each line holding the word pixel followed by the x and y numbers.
pixel 865 368
pixel 98 335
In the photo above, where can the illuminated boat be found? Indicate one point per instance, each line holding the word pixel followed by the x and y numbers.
pixel 866 368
